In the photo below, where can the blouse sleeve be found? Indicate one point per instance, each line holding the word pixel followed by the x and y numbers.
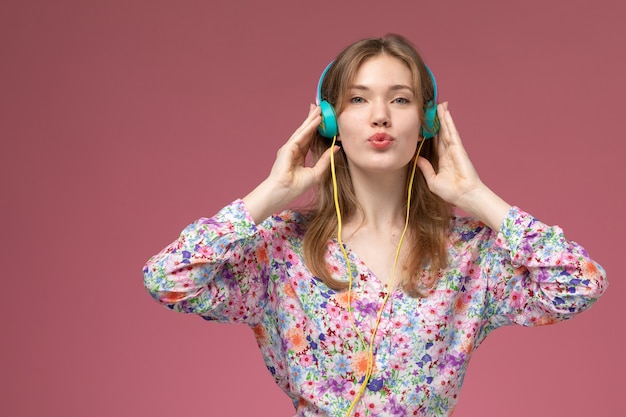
pixel 536 276
pixel 216 268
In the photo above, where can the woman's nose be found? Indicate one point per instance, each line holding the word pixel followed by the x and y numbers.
pixel 381 122
pixel 380 116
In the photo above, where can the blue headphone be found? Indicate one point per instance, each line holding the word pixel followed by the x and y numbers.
pixel 328 126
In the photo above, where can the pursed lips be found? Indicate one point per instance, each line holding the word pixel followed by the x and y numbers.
pixel 380 140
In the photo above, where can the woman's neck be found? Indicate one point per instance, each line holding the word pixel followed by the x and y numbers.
pixel 382 198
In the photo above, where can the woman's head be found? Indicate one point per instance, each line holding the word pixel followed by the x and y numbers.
pixel 335 88
pixel 429 219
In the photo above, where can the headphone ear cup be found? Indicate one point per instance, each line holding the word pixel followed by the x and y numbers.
pixel 328 125
pixel 432 121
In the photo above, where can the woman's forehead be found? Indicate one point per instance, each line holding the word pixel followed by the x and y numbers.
pixel 382 71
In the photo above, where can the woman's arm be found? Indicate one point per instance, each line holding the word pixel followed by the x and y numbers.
pixel 216 268
pixel 536 276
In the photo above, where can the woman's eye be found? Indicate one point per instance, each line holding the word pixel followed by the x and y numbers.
pixel 357 100
pixel 401 100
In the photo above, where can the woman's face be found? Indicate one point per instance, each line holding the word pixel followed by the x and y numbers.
pixel 379 125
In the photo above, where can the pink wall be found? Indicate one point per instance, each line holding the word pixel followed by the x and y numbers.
pixel 122 121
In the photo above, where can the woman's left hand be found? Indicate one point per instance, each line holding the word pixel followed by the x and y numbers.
pixel 456 180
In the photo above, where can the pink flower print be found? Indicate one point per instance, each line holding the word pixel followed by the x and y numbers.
pixel 373 404
pixel 278 252
pixel 345 319
pixel 255 294
pixel 310 397
pixel 398 366
pixel 293 309
pixel 335 326
pixel 290 256
pixel 205 251
pixel 350 332
pixel 298 272
pixel 366 329
pixel 442 379
pixel 313 389
pixel 306 360
pixel 332 343
pixel 399 360
pixel 184 282
pixel 516 299
pixel 428 332
pixel 332 310
pixel 432 315
pixel 400 339
pixel 399 322
pixel 351 390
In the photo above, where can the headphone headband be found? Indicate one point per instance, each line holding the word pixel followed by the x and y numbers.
pixel 318 98
pixel 431 120
pixel 328 126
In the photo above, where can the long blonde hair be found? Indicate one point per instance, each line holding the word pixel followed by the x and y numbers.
pixel 429 218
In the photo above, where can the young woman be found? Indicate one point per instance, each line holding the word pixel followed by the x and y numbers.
pixel 373 302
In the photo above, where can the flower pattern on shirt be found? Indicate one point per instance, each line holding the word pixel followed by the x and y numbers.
pixel 228 269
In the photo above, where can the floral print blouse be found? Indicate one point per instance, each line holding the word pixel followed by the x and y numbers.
pixel 228 269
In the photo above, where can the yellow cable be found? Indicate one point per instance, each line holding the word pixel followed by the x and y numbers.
pixel 340 242
pixel 370 349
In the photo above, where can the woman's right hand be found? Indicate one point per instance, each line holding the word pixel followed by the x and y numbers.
pixel 289 177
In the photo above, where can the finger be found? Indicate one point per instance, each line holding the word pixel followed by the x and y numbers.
pixel 453 133
pixel 427 169
pixel 304 132
pixel 445 132
pixel 322 164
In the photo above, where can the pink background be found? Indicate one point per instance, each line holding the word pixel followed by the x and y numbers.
pixel 123 121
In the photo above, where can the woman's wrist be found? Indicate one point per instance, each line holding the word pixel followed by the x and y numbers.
pixel 266 199
pixel 485 205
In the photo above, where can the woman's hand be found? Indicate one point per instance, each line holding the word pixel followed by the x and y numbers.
pixel 289 177
pixel 456 177
pixel 456 180
pixel 289 172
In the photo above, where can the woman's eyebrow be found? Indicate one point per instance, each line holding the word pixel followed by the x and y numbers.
pixel 394 87
pixel 401 87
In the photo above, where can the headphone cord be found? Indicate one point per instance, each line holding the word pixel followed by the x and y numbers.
pixel 370 348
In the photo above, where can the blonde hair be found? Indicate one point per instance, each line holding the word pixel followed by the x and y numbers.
pixel 429 218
